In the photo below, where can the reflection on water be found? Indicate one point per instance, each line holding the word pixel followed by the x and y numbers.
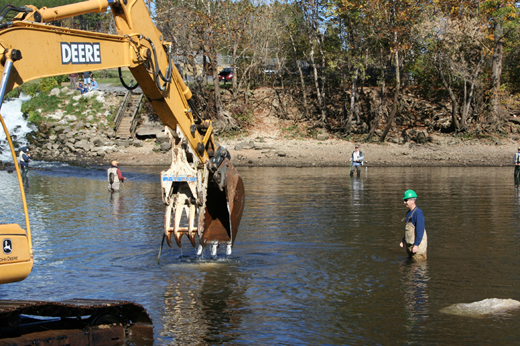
pixel 414 279
pixel 206 307
pixel 316 260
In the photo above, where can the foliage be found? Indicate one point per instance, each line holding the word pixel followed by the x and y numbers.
pixel 243 113
pixel 325 55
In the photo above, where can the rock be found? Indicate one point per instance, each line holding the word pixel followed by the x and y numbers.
pixel 98 141
pixel 83 145
pixel 245 145
pixel 322 136
pixel 150 130
pixel 55 92
pixel 111 133
pixel 137 143
pixel 62 128
pixel 166 146
pixel 281 153
pixel 57 115
pixel 123 142
pixel 162 138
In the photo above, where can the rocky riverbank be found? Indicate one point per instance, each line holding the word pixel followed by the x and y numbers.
pixel 272 151
pixel 88 139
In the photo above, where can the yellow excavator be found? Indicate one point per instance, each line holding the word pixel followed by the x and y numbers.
pixel 202 191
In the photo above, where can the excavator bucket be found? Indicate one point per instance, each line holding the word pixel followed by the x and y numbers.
pixel 224 206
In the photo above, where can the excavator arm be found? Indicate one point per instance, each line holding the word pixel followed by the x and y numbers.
pixel 202 191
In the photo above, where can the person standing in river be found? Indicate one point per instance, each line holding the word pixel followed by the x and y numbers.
pixel 24 158
pixel 415 239
pixel 114 176
pixel 517 165
pixel 356 160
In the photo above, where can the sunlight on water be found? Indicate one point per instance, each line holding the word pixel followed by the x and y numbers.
pixel 316 260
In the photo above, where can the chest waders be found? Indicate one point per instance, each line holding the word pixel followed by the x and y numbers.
pixel 24 166
pixel 409 239
pixel 113 179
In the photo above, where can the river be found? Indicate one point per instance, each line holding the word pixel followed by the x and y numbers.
pixel 316 260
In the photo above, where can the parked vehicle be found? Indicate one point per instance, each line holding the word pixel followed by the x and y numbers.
pixel 270 70
pixel 226 75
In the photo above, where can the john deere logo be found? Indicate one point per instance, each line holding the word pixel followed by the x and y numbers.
pixel 7 245
pixel 80 53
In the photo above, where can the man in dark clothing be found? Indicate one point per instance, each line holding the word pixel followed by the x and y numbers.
pixel 86 79
pixel 24 158
pixel 415 239
pixel 517 165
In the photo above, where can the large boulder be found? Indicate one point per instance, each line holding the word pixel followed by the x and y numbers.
pixel 98 141
pixel 245 145
pixel 83 145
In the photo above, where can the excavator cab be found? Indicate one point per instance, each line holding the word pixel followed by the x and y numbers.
pixel 16 258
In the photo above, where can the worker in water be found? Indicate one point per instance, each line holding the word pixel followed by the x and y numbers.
pixel 356 160
pixel 415 239
pixel 24 158
pixel 517 164
pixel 114 176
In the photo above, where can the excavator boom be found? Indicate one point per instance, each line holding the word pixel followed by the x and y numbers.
pixel 202 192
pixel 200 171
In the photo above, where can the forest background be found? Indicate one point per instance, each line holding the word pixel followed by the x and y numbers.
pixel 371 70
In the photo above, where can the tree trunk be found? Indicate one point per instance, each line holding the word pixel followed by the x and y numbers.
pixel 348 127
pixel 454 102
pixel 496 71
pixel 302 79
pixel 316 80
pixel 379 115
pixel 396 98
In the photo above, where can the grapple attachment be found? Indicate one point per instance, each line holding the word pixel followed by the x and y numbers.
pixel 213 193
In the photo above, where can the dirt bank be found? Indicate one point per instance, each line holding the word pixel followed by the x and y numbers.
pixel 267 145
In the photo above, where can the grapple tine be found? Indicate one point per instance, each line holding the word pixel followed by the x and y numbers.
pixel 167 222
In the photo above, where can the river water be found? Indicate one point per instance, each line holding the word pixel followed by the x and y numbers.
pixel 316 260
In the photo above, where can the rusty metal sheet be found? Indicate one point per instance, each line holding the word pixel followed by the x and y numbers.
pixel 224 207
pixel 104 322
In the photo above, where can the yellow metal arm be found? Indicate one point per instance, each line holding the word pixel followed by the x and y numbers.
pixel 203 188
pixel 138 46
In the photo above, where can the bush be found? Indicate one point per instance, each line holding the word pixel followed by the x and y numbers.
pixel 243 114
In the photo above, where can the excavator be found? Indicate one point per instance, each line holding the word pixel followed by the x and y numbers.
pixel 202 191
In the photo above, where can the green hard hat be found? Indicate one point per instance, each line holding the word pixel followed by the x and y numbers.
pixel 409 194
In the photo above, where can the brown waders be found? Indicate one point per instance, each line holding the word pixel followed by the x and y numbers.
pixel 409 239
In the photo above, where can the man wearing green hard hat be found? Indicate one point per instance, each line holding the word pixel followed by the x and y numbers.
pixel 415 239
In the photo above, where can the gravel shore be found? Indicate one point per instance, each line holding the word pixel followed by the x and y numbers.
pixel 273 151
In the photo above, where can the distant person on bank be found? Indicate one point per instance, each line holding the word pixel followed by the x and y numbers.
pixel 73 77
pixel 114 176
pixel 24 157
pixel 415 239
pixel 356 160
pixel 94 85
pixel 86 79
pixel 517 164
pixel 81 88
